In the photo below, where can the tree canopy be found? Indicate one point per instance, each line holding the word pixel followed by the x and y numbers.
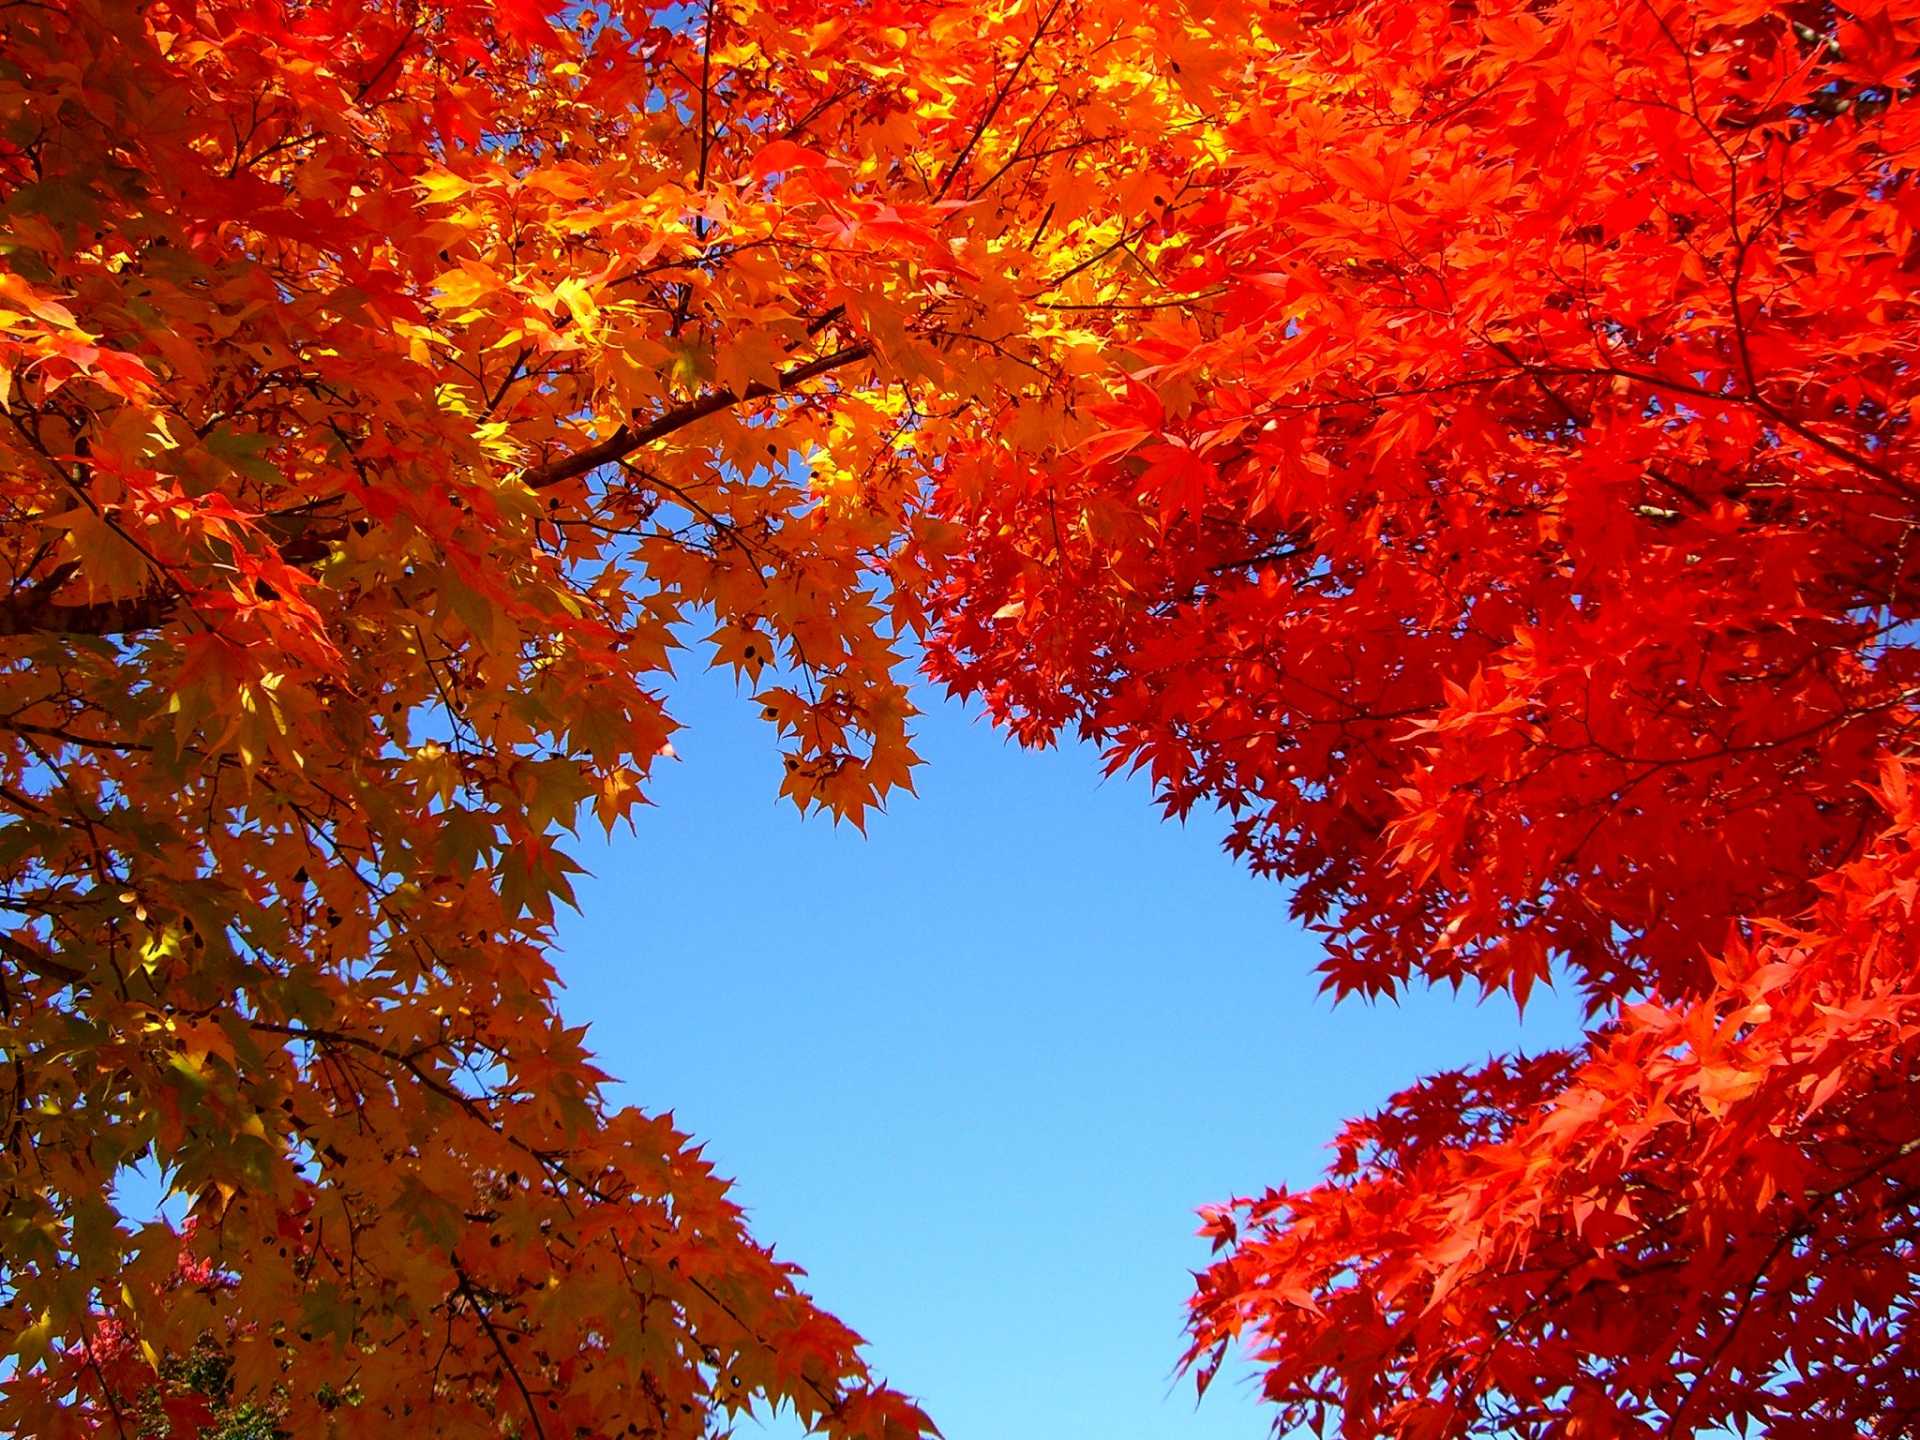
pixel 386 389
pixel 1518 545
pixel 1468 442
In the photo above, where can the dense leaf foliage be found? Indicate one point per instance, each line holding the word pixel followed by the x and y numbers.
pixel 1470 442
pixel 384 390
pixel 1513 530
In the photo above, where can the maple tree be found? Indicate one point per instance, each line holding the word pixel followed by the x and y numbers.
pixel 384 392
pixel 1468 442
pixel 1511 527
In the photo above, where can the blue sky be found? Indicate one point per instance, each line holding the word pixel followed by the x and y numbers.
pixel 976 1070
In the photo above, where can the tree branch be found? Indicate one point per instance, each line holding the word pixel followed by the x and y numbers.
pixel 627 439
pixel 993 107
pixel 45 966
pixel 33 610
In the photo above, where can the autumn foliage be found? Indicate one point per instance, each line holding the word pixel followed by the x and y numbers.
pixel 385 393
pixel 1469 442
pixel 1514 533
